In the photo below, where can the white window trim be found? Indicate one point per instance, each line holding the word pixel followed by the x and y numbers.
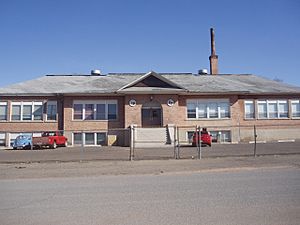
pixel 85 102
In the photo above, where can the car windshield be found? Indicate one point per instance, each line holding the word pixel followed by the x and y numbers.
pixel 22 137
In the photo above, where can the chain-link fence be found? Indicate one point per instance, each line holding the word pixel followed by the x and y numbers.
pixel 138 143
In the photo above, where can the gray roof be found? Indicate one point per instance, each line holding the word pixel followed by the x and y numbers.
pixel 118 84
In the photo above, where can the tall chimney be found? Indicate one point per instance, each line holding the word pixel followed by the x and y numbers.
pixel 213 58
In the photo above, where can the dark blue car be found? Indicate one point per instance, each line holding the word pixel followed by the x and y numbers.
pixel 22 142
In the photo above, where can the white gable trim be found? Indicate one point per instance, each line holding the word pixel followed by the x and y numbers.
pixel 151 73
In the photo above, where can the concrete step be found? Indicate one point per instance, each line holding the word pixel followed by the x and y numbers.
pixel 150 135
pixel 151 138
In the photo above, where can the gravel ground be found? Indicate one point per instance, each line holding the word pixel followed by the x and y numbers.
pixel 154 167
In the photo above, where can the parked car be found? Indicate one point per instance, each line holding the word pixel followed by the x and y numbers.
pixel 22 142
pixel 50 139
pixel 202 137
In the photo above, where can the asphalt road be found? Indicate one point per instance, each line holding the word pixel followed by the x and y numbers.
pixel 253 196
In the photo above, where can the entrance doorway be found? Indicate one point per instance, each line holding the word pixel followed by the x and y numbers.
pixel 151 114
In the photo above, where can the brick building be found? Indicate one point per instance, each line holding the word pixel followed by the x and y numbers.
pixel 96 108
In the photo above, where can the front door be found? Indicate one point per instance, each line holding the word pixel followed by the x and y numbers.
pixel 151 117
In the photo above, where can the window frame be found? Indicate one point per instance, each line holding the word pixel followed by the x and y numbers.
pixel 294 101
pixel 51 103
pixel 32 116
pixel 94 135
pixel 5 110
pixel 276 112
pixel 248 102
pixel 95 112
pixel 204 104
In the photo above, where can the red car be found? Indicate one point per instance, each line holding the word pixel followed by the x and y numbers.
pixel 205 139
pixel 50 139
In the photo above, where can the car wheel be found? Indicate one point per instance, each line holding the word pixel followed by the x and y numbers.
pixel 54 146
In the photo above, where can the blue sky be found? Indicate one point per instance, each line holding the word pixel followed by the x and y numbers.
pixel 39 37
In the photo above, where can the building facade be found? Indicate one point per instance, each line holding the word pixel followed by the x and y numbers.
pixel 97 109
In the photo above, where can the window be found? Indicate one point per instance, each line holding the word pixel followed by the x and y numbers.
pixel 295 108
pixel 213 110
pixel 2 139
pixel 27 111
pixel 112 111
pixel 221 136
pixel 77 137
pixel 16 112
pixel 283 111
pixel 208 109
pixel 100 112
pixel 101 138
pixel 90 138
pixel 262 110
pixel 202 111
pixel 78 109
pixel 249 110
pixel 95 110
pixel 51 110
pixel 38 112
pixel 272 109
pixel 190 136
pixel 3 110
pixel 89 111
pixel 224 110
pixel 191 110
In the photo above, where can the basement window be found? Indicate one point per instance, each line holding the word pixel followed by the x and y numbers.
pixel 89 139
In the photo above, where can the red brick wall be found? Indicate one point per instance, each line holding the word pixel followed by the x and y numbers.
pixel 28 126
pixel 70 124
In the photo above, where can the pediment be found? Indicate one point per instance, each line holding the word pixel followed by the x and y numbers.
pixel 152 80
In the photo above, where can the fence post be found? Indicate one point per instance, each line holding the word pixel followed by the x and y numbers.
pixel 196 140
pixel 199 141
pixel 255 137
pixel 178 145
pixel 82 146
pixel 31 146
pixel 175 141
pixel 131 154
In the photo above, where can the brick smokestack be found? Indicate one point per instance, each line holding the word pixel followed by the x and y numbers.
pixel 213 58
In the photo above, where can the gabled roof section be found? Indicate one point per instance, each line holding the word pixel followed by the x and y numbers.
pixel 151 81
